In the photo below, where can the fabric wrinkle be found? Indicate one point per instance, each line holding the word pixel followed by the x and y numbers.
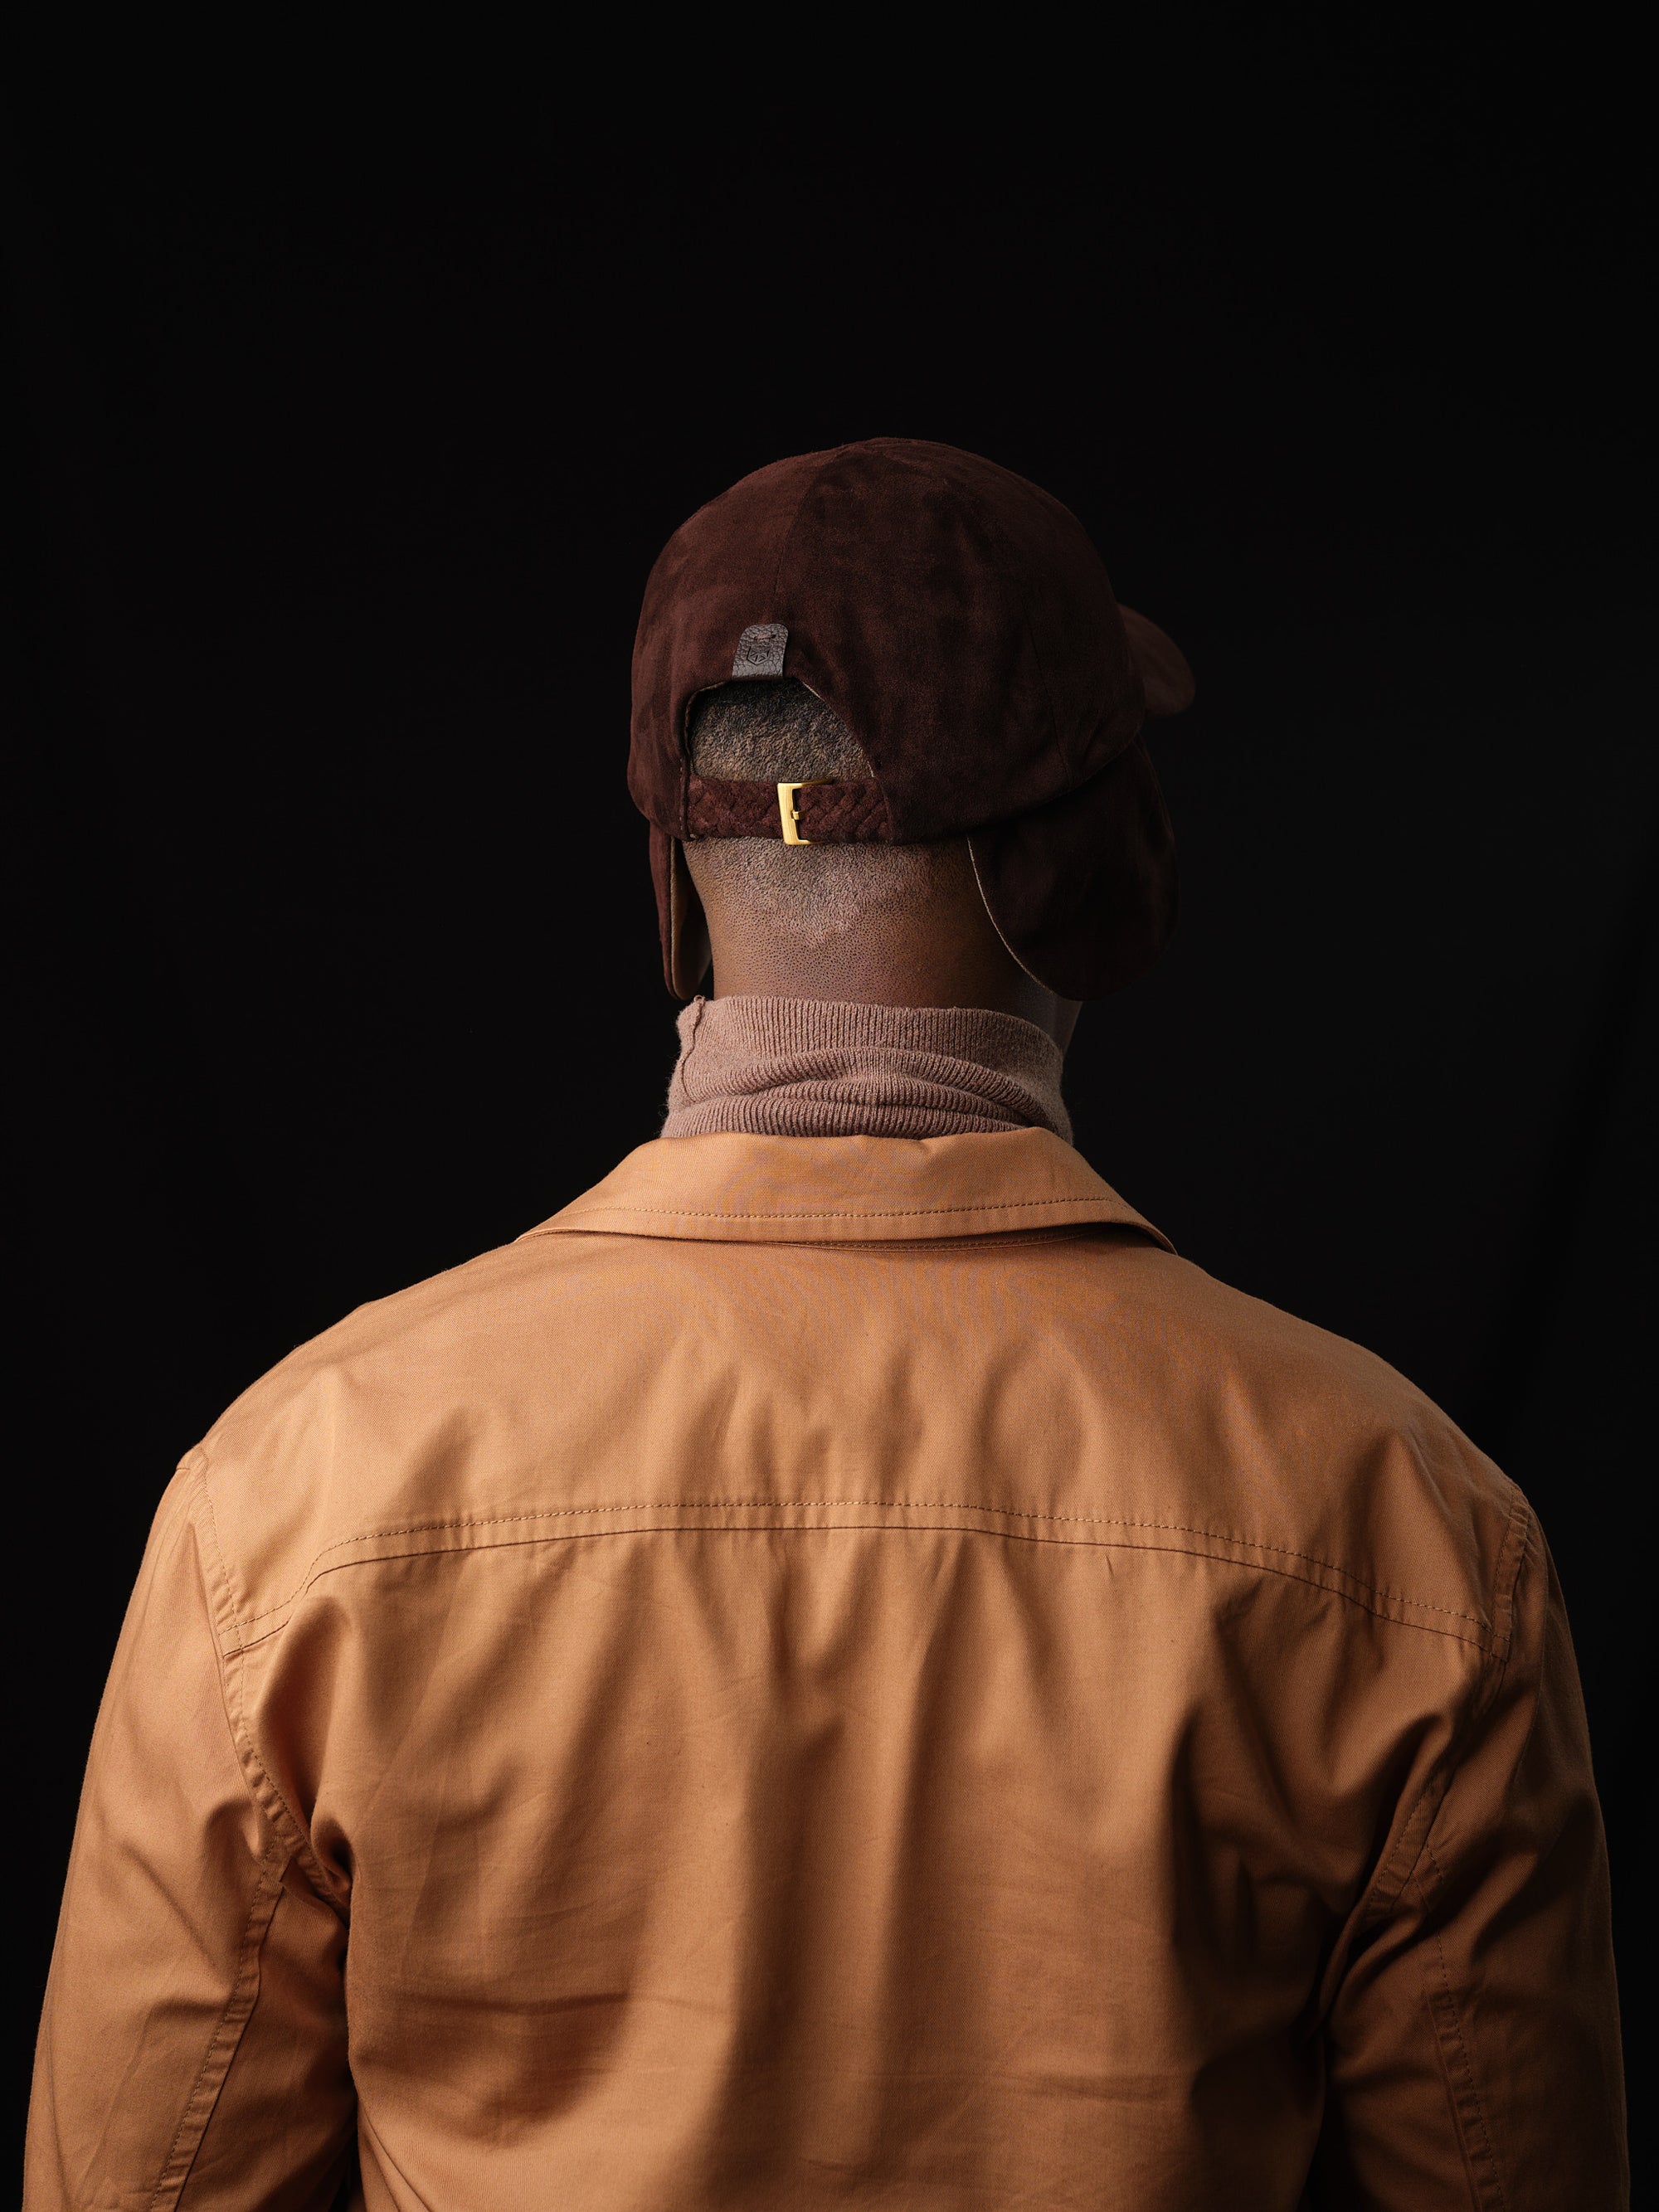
pixel 809 1067
pixel 802 1695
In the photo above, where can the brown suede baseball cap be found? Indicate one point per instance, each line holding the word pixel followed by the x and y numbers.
pixel 960 623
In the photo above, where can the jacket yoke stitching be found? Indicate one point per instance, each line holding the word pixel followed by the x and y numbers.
pixel 1357 1596
pixel 861 1504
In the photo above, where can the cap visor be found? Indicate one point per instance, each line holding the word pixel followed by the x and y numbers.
pixel 1165 677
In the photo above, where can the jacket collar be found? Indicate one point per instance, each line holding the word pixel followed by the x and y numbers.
pixel 846 1190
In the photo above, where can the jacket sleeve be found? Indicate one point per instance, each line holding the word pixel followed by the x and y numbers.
pixel 1472 2054
pixel 192 2049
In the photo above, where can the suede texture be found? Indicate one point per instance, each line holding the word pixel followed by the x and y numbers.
pixel 828 813
pixel 960 623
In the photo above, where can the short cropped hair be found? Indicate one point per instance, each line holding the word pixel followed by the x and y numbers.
pixel 771 731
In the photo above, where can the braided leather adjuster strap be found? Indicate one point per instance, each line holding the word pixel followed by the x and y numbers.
pixel 827 813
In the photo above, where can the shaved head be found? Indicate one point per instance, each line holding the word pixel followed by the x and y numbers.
pixel 771 732
pixel 896 925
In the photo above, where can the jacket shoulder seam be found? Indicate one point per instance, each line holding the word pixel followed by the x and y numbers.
pixel 257 1777
pixel 1399 1865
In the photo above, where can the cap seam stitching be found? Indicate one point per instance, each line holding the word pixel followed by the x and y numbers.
pixel 860 739
pixel 834 454
pixel 989 522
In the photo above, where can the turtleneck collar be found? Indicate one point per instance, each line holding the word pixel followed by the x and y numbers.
pixel 809 1067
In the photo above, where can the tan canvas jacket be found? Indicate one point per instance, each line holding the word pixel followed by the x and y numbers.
pixel 836 1672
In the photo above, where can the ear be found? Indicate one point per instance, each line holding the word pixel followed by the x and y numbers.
pixel 1164 676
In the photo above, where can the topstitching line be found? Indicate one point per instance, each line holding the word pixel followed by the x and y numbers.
pixel 1355 1597
pixel 256 1775
pixel 859 1504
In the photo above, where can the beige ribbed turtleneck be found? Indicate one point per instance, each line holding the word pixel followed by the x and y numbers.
pixel 808 1067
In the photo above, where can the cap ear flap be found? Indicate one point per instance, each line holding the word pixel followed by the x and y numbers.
pixel 680 922
pixel 689 950
pixel 1165 677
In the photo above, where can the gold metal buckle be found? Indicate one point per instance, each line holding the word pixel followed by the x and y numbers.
pixel 789 813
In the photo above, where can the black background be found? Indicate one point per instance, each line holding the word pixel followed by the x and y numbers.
pixel 351 420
